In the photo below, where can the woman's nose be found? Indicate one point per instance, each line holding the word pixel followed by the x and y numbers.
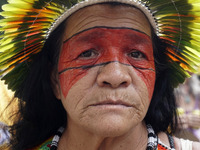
pixel 114 75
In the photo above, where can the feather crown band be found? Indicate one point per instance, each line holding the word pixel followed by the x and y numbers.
pixel 28 23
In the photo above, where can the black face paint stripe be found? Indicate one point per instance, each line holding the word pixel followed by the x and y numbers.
pixel 101 64
pixel 104 27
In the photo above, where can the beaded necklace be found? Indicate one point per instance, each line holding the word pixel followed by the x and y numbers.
pixel 153 142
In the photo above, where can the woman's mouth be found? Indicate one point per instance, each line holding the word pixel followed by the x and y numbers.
pixel 112 103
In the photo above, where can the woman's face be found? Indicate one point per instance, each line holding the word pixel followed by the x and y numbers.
pixel 106 69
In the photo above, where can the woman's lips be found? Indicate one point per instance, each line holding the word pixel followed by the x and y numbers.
pixel 112 103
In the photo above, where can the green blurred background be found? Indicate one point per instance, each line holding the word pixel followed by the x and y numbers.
pixel 1 3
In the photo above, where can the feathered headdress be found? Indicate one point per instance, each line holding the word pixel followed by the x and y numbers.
pixel 27 24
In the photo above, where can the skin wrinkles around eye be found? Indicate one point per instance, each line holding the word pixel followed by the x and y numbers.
pixel 88 54
pixel 86 67
pixel 91 53
pixel 137 55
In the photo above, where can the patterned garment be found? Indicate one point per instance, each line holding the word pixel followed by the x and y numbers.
pixel 44 146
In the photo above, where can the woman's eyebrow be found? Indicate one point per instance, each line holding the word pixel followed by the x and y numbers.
pixel 90 36
pixel 91 33
pixel 141 38
pixel 84 36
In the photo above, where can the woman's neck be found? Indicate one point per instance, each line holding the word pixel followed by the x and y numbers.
pixel 79 139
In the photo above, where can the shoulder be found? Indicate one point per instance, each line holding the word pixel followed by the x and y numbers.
pixel 163 137
pixel 187 144
pixel 177 143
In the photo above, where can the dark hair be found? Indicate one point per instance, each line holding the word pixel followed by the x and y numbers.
pixel 41 113
pixel 162 110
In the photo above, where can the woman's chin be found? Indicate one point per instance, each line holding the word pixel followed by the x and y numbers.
pixel 112 126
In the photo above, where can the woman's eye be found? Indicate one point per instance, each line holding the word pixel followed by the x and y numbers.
pixel 88 54
pixel 136 54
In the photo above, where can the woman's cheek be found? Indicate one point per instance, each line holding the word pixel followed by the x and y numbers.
pixel 148 76
pixel 69 78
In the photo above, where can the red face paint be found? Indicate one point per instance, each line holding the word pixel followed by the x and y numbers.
pixel 96 46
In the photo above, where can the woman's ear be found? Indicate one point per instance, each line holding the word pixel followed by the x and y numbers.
pixel 55 84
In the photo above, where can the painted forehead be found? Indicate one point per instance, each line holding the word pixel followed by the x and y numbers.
pixel 90 33
pixel 105 15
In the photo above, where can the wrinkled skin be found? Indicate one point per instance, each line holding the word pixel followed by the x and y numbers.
pixel 105 78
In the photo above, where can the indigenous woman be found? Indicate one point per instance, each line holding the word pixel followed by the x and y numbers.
pixel 98 74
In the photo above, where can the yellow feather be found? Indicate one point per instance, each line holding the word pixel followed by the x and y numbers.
pixel 17 7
